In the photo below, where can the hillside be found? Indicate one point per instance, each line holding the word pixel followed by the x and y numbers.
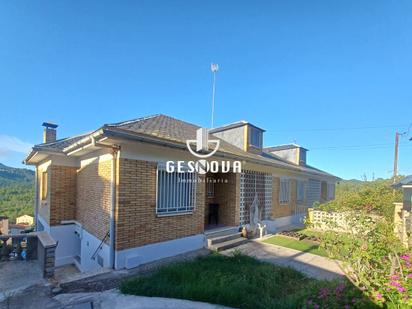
pixel 10 175
pixel 354 185
pixel 16 191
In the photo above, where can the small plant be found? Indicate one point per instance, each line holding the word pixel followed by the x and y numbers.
pixel 374 258
pixel 336 294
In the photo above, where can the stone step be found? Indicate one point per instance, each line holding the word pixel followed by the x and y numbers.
pixel 220 239
pixel 228 244
pixel 221 232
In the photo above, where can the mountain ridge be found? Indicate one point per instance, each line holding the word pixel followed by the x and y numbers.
pixel 14 175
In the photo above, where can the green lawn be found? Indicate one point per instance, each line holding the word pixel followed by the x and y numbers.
pixel 309 232
pixel 238 281
pixel 301 245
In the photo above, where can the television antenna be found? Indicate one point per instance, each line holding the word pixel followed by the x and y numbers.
pixel 214 67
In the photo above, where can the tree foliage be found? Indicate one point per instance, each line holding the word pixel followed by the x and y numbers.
pixel 371 196
pixel 16 192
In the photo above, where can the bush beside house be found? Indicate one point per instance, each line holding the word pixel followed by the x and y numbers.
pixel 375 259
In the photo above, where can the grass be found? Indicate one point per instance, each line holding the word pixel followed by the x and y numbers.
pixel 309 232
pixel 301 245
pixel 237 281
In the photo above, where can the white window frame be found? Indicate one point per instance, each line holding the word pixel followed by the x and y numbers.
pixel 299 184
pixel 175 192
pixel 286 191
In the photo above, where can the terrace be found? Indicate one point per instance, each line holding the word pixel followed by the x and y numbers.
pixel 25 259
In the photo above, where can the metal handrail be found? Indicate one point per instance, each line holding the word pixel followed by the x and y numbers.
pixel 100 246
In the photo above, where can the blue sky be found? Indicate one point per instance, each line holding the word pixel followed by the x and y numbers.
pixel 333 76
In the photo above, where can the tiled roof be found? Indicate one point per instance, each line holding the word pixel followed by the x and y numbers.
pixel 404 182
pixel 166 128
pixel 282 147
pixel 60 144
pixel 160 126
pixel 233 125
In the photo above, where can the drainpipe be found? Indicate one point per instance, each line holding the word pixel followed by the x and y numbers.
pixel 115 156
pixel 36 199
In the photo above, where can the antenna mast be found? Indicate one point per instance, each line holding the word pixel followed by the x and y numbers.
pixel 214 67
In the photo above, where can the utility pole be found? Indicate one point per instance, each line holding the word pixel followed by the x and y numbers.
pixel 395 161
pixel 214 68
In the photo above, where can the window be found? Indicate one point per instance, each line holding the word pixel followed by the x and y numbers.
pixel 284 191
pixel 210 187
pixel 176 192
pixel 300 191
pixel 255 137
pixel 331 191
pixel 43 186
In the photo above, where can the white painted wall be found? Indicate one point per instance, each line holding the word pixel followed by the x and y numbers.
pixel 277 224
pixel 134 257
pixel 68 237
pixel 89 244
pixel 44 224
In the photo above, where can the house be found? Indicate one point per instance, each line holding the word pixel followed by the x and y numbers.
pixel 132 192
pixel 4 225
pixel 406 185
pixel 25 220
pixel 16 229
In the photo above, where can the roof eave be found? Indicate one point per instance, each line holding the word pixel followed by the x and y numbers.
pixel 36 151
pixel 110 132
pixel 86 140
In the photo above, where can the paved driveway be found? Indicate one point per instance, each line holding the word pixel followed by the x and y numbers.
pixel 16 276
pixel 113 299
pixel 312 265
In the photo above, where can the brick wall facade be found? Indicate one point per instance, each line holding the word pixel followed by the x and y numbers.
pixel 62 193
pixel 94 197
pixel 284 209
pixel 227 195
pixel 136 221
pixel 85 195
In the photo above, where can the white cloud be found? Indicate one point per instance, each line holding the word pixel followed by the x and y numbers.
pixel 13 144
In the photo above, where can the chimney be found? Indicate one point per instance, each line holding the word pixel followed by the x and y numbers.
pixel 292 153
pixel 49 133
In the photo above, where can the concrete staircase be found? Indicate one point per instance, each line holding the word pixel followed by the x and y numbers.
pixel 222 239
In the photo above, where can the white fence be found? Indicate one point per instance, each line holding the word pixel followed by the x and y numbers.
pixel 323 220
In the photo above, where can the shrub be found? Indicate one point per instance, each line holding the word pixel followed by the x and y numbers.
pixel 374 258
pixel 372 197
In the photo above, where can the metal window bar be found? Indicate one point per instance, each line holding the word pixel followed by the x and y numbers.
pixel 176 192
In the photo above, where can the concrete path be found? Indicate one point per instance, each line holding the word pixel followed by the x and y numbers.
pixel 17 275
pixel 310 264
pixel 112 299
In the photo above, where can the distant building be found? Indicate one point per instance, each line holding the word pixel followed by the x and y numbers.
pixel 4 225
pixel 25 219
pixel 406 185
pixel 15 229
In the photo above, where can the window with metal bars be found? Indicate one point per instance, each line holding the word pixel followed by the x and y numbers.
pixel 284 191
pixel 300 191
pixel 176 192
